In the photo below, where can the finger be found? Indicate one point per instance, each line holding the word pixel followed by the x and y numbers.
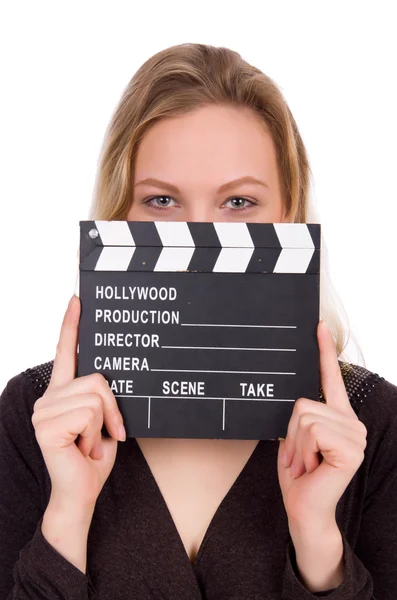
pixel 304 406
pixel 52 409
pixel 97 451
pixel 64 367
pixel 65 404
pixel 306 457
pixel 92 448
pixel 331 377
pixel 307 412
pixel 322 439
pixel 95 383
pixel 61 431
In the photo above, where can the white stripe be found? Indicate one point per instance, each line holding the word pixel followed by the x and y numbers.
pixel 233 260
pixel 230 325
pixel 238 372
pixel 174 259
pixel 293 235
pixel 244 399
pixel 115 233
pixel 233 234
pixel 174 233
pixel 115 258
pixel 228 348
pixel 293 260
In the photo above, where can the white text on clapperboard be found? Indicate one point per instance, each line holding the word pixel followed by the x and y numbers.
pixel 148 340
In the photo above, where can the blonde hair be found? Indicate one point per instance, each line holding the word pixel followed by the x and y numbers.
pixel 183 78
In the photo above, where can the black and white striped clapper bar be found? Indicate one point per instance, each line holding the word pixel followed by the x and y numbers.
pixel 202 330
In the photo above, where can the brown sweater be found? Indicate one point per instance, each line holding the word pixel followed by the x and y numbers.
pixel 134 549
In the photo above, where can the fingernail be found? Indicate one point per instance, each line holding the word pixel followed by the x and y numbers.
pixel 121 433
pixel 71 301
pixel 97 451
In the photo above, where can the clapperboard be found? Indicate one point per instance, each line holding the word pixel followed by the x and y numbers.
pixel 202 330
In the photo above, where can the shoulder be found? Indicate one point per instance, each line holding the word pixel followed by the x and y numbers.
pixel 21 460
pixel 364 386
pixel 38 377
pixel 367 390
pixel 374 400
pixel 23 389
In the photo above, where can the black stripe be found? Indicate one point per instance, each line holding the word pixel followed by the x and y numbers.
pixel 144 258
pixel 90 261
pixel 204 259
pixel 315 232
pixel 204 234
pixel 263 235
pixel 314 264
pixel 263 260
pixel 144 233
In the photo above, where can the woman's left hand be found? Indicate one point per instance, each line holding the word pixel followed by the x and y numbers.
pixel 312 484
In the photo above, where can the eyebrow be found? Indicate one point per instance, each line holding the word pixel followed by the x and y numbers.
pixel 224 187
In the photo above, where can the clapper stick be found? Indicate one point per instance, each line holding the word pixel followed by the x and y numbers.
pixel 202 330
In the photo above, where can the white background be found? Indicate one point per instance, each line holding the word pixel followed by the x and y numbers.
pixel 64 68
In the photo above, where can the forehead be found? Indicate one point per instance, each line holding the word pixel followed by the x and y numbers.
pixel 218 140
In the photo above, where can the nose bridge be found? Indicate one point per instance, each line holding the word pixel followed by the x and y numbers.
pixel 200 209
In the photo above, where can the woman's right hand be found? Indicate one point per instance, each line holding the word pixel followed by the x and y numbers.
pixel 73 407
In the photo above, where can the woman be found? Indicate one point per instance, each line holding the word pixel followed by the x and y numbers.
pixel 312 515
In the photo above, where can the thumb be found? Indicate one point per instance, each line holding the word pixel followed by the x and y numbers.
pixel 284 474
pixel 105 464
pixel 280 455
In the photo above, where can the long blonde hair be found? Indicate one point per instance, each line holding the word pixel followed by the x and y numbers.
pixel 183 78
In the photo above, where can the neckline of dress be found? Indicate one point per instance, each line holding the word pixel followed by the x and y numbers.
pixel 216 516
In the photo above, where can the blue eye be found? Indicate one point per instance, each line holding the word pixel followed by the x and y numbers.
pixel 150 200
pixel 240 198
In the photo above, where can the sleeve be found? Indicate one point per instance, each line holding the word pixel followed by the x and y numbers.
pixel 371 568
pixel 30 568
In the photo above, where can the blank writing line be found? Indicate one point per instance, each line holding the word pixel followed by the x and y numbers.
pixel 224 325
pixel 239 372
pixel 206 398
pixel 224 348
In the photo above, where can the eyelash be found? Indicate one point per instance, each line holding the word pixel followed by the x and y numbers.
pixel 167 207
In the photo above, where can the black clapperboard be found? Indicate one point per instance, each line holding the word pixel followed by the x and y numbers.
pixel 202 330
